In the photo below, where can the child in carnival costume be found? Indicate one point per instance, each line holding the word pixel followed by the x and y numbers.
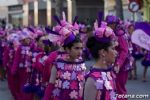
pixel 100 80
pixel 23 63
pixel 67 73
pixel 122 63
pixel 33 84
pixel 134 50
pixel 8 59
pixel 2 37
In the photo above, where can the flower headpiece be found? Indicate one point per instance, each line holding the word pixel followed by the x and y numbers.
pixel 65 31
pixel 120 29
pixel 103 33
pixel 25 34
pixel 35 32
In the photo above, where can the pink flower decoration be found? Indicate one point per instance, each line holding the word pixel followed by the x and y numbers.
pixel 108 85
pixel 57 28
pixel 58 83
pixel 67 75
pixel 64 23
pixel 65 32
pixel 108 32
pixel 103 24
pixel 99 84
pixel 99 32
pixel 80 77
pixel 74 94
pixel 39 32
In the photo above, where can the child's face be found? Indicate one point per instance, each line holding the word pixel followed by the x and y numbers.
pixel 113 25
pixel 40 43
pixel 111 54
pixel 76 50
pixel 131 29
pixel 27 41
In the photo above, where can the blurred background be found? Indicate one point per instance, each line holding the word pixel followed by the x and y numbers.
pixel 40 12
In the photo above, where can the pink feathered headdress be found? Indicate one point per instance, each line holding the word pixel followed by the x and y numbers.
pixel 103 33
pixel 65 31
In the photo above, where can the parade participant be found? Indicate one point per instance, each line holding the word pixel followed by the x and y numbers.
pixel 133 50
pixel 51 59
pixel 2 74
pixel 8 58
pixel 54 36
pixel 71 70
pixel 22 64
pixel 146 63
pixel 100 82
pixel 122 61
pixel 67 70
pixel 84 36
pixel 141 37
pixel 39 66
pixel 33 81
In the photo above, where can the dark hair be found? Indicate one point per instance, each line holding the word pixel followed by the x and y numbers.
pixel 38 38
pixel 70 44
pixel 94 46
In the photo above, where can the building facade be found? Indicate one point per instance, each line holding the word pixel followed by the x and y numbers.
pixel 110 9
pixel 146 9
pixel 40 12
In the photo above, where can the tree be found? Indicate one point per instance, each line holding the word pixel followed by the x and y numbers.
pixel 119 9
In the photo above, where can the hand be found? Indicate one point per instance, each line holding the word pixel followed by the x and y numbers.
pixel 117 69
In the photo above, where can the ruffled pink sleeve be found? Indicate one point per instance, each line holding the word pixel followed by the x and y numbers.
pixel 122 51
pixel 48 65
pixel 5 56
pixel 17 59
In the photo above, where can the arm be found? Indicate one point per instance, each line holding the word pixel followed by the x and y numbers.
pixel 90 90
pixel 16 61
pixel 48 64
pixel 122 52
pixel 5 56
pixel 50 87
pixel 53 75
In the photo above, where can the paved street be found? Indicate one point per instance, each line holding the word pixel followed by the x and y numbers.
pixel 134 87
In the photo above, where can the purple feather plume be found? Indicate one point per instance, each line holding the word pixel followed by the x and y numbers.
pixel 75 19
pixel 100 17
pixel 30 29
pixel 51 31
pixel 57 19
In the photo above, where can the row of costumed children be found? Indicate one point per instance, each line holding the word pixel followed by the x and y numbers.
pixel 48 64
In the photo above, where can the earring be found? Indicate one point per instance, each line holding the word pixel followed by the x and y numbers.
pixel 104 60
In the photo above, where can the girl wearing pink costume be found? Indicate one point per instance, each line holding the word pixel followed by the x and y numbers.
pixel 47 70
pixel 49 63
pixel 67 74
pixel 33 83
pixel 122 61
pixel 100 82
pixel 22 65
pixel 8 62
pixel 8 58
pixel 134 50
